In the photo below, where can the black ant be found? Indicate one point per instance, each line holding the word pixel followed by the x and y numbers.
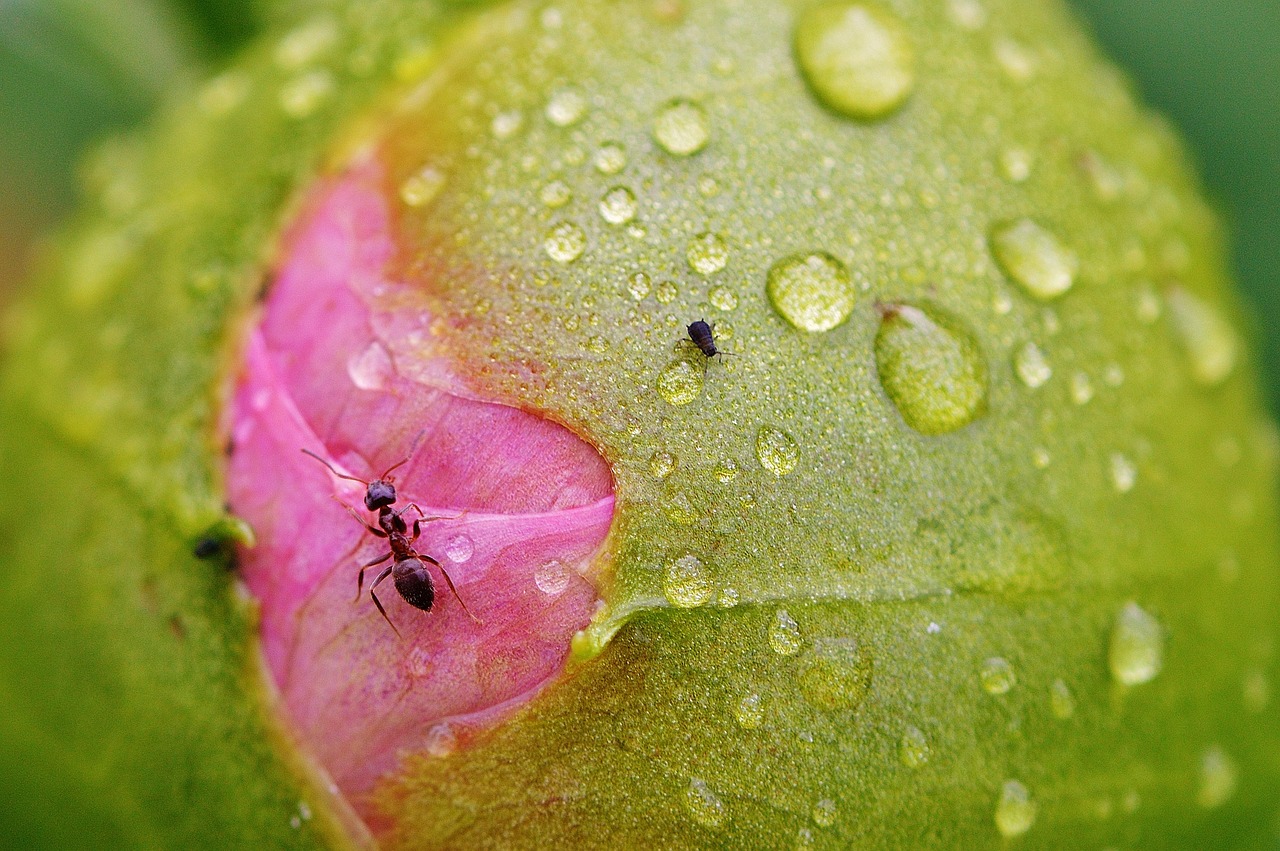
pixel 702 335
pixel 408 571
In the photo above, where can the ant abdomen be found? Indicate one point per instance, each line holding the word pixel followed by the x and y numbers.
pixel 413 583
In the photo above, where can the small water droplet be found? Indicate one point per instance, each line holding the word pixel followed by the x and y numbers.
pixel 552 577
pixel 638 285
pixel 371 368
pixel 618 206
pixel 303 95
pixel 1104 179
pixel 421 188
pixel 661 464
pixel 708 187
pixel 441 741
pixel 565 242
pixel 1113 375
pixel 678 507
pixel 913 748
pixel 610 158
pixel 784 634
pixel 749 713
pixel 1081 388
pixel 680 382
pixel 1002 304
pixel 856 58
pixel 1041 458
pixel 997 676
pixel 566 107
pixel 933 371
pixel 1218 778
pixel 460 549
pixel 303 44
pixel 1032 366
pixel 1147 305
pixel 811 291
pixel 1033 258
pixel 707 253
pixel 726 471
pixel 838 676
pixel 1015 164
pixel 776 450
pixel 666 292
pixel 686 584
pixel 968 14
pixel 681 127
pixel 1017 60
pixel 1136 653
pixel 1208 340
pixel 506 124
pixel 1015 811
pixel 1062 703
pixel 723 298
pixel 727 598
pixel 1124 475
pixel 555 194
pixel 704 807
pixel 824 813
pixel 418 662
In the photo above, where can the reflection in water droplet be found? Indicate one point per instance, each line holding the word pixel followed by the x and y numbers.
pixel 459 549
pixel 1218 778
pixel 422 187
pixel 681 127
pixel 661 464
pixel 749 712
pixel 1015 811
pixel 722 298
pixel 566 107
pixel 441 741
pixel 933 371
pixel 811 291
pixel 686 583
pixel 704 807
pixel 913 748
pixel 1034 258
pixel 638 285
pixel 1124 475
pixel 611 158
pixel 618 206
pixel 707 254
pixel 371 368
pixel 784 634
pixel 1032 366
pixel 857 58
pixel 997 676
pixel 680 382
pixel 1015 164
pixel 565 242
pixel 824 813
pixel 1061 701
pixel 1208 340
pixel 726 471
pixel 838 676
pixel 555 194
pixel 1081 388
pixel 776 450
pixel 506 124
pixel 1136 653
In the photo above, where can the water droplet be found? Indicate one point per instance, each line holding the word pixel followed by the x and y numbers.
pixel 506 124
pixel 708 187
pixel 1015 811
pixel 1041 458
pixel 1113 375
pixel 371 368
pixel 418 662
pixel 566 107
pixel 555 194
pixel 680 509
pixel 824 813
pixel 749 712
pixel 776 450
pixel 303 44
pixel 727 598
pixel 1124 475
pixel 838 676
pixel 686 583
pixel 618 206
pixel 723 298
pixel 565 242
pixel 1015 164
pixel 610 158
pixel 666 292
pixel 1081 388
pixel 1147 305
pixel 638 285
pixel 968 14
pixel 224 93
pixel 1218 778
pixel 704 807
pixel 1104 179
pixel 933 371
pixel 726 471
pixel 680 383
pixel 459 549
pixel 552 577
pixel 811 291
pixel 441 741
pixel 997 676
pixel 1137 646
pixel 1015 59
pixel 1034 258
pixel 661 464
pixel 421 188
pixel 1208 340
pixel 1032 366
pixel 857 58
pixel 707 254
pixel 913 748
pixel 302 95
pixel 784 634
pixel 1257 691
pixel 1062 703
pixel 681 127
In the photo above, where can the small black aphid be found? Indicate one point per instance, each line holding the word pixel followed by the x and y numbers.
pixel 207 547
pixel 703 335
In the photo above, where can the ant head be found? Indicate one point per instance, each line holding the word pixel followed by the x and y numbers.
pixel 379 494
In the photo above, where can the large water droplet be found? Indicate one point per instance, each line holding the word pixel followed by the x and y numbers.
pixel 618 206
pixel 749 712
pixel 856 57
pixel 704 807
pixel 776 450
pixel 839 675
pixel 681 127
pixel 997 676
pixel 784 634
pixel 1032 366
pixel 1015 811
pixel 913 748
pixel 552 577
pixel 680 382
pixel 811 291
pixel 1034 258
pixel 707 254
pixel 1137 646
pixel 371 368
pixel 1208 340
pixel 422 187
pixel 686 583
pixel 1218 778
pixel 460 549
pixel 565 242
pixel 1061 701
pixel 933 371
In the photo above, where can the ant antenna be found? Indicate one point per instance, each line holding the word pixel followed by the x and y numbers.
pixel 332 470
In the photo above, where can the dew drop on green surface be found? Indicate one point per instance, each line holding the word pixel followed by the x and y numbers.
pixel 727 598
pixel 913 748
pixel 784 634
pixel 707 253
pixel 681 127
pixel 703 805
pixel 1062 703
pixel 304 44
pixel 997 676
pixel 804 839
pixel 723 298
pixel 666 292
pixel 838 676
pixel 566 107
pixel 638 285
pixel 506 124
pixel 1015 164
pixel 1033 258
pixel 618 206
pixel 680 382
pixel 749 713
pixel 811 291
pixel 1136 653
pixel 933 371
pixel 1031 365
pixel 610 158
pixel 1218 778
pixel 856 57
pixel 661 464
pixel 1015 811
pixel 1081 388
pixel 685 583
pixel 726 471
pixel 303 95
pixel 555 194
pixel 421 188
pixel 1207 338
pixel 776 450
pixel 565 242
pixel 1124 475
pixel 824 812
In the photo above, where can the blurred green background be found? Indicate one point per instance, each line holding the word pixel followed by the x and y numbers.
pixel 72 71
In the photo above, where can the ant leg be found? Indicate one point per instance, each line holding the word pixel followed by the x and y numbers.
pixel 364 523
pixel 427 519
pixel 449 581
pixel 381 576
pixel 363 568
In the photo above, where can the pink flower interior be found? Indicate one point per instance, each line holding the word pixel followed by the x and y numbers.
pixel 342 365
